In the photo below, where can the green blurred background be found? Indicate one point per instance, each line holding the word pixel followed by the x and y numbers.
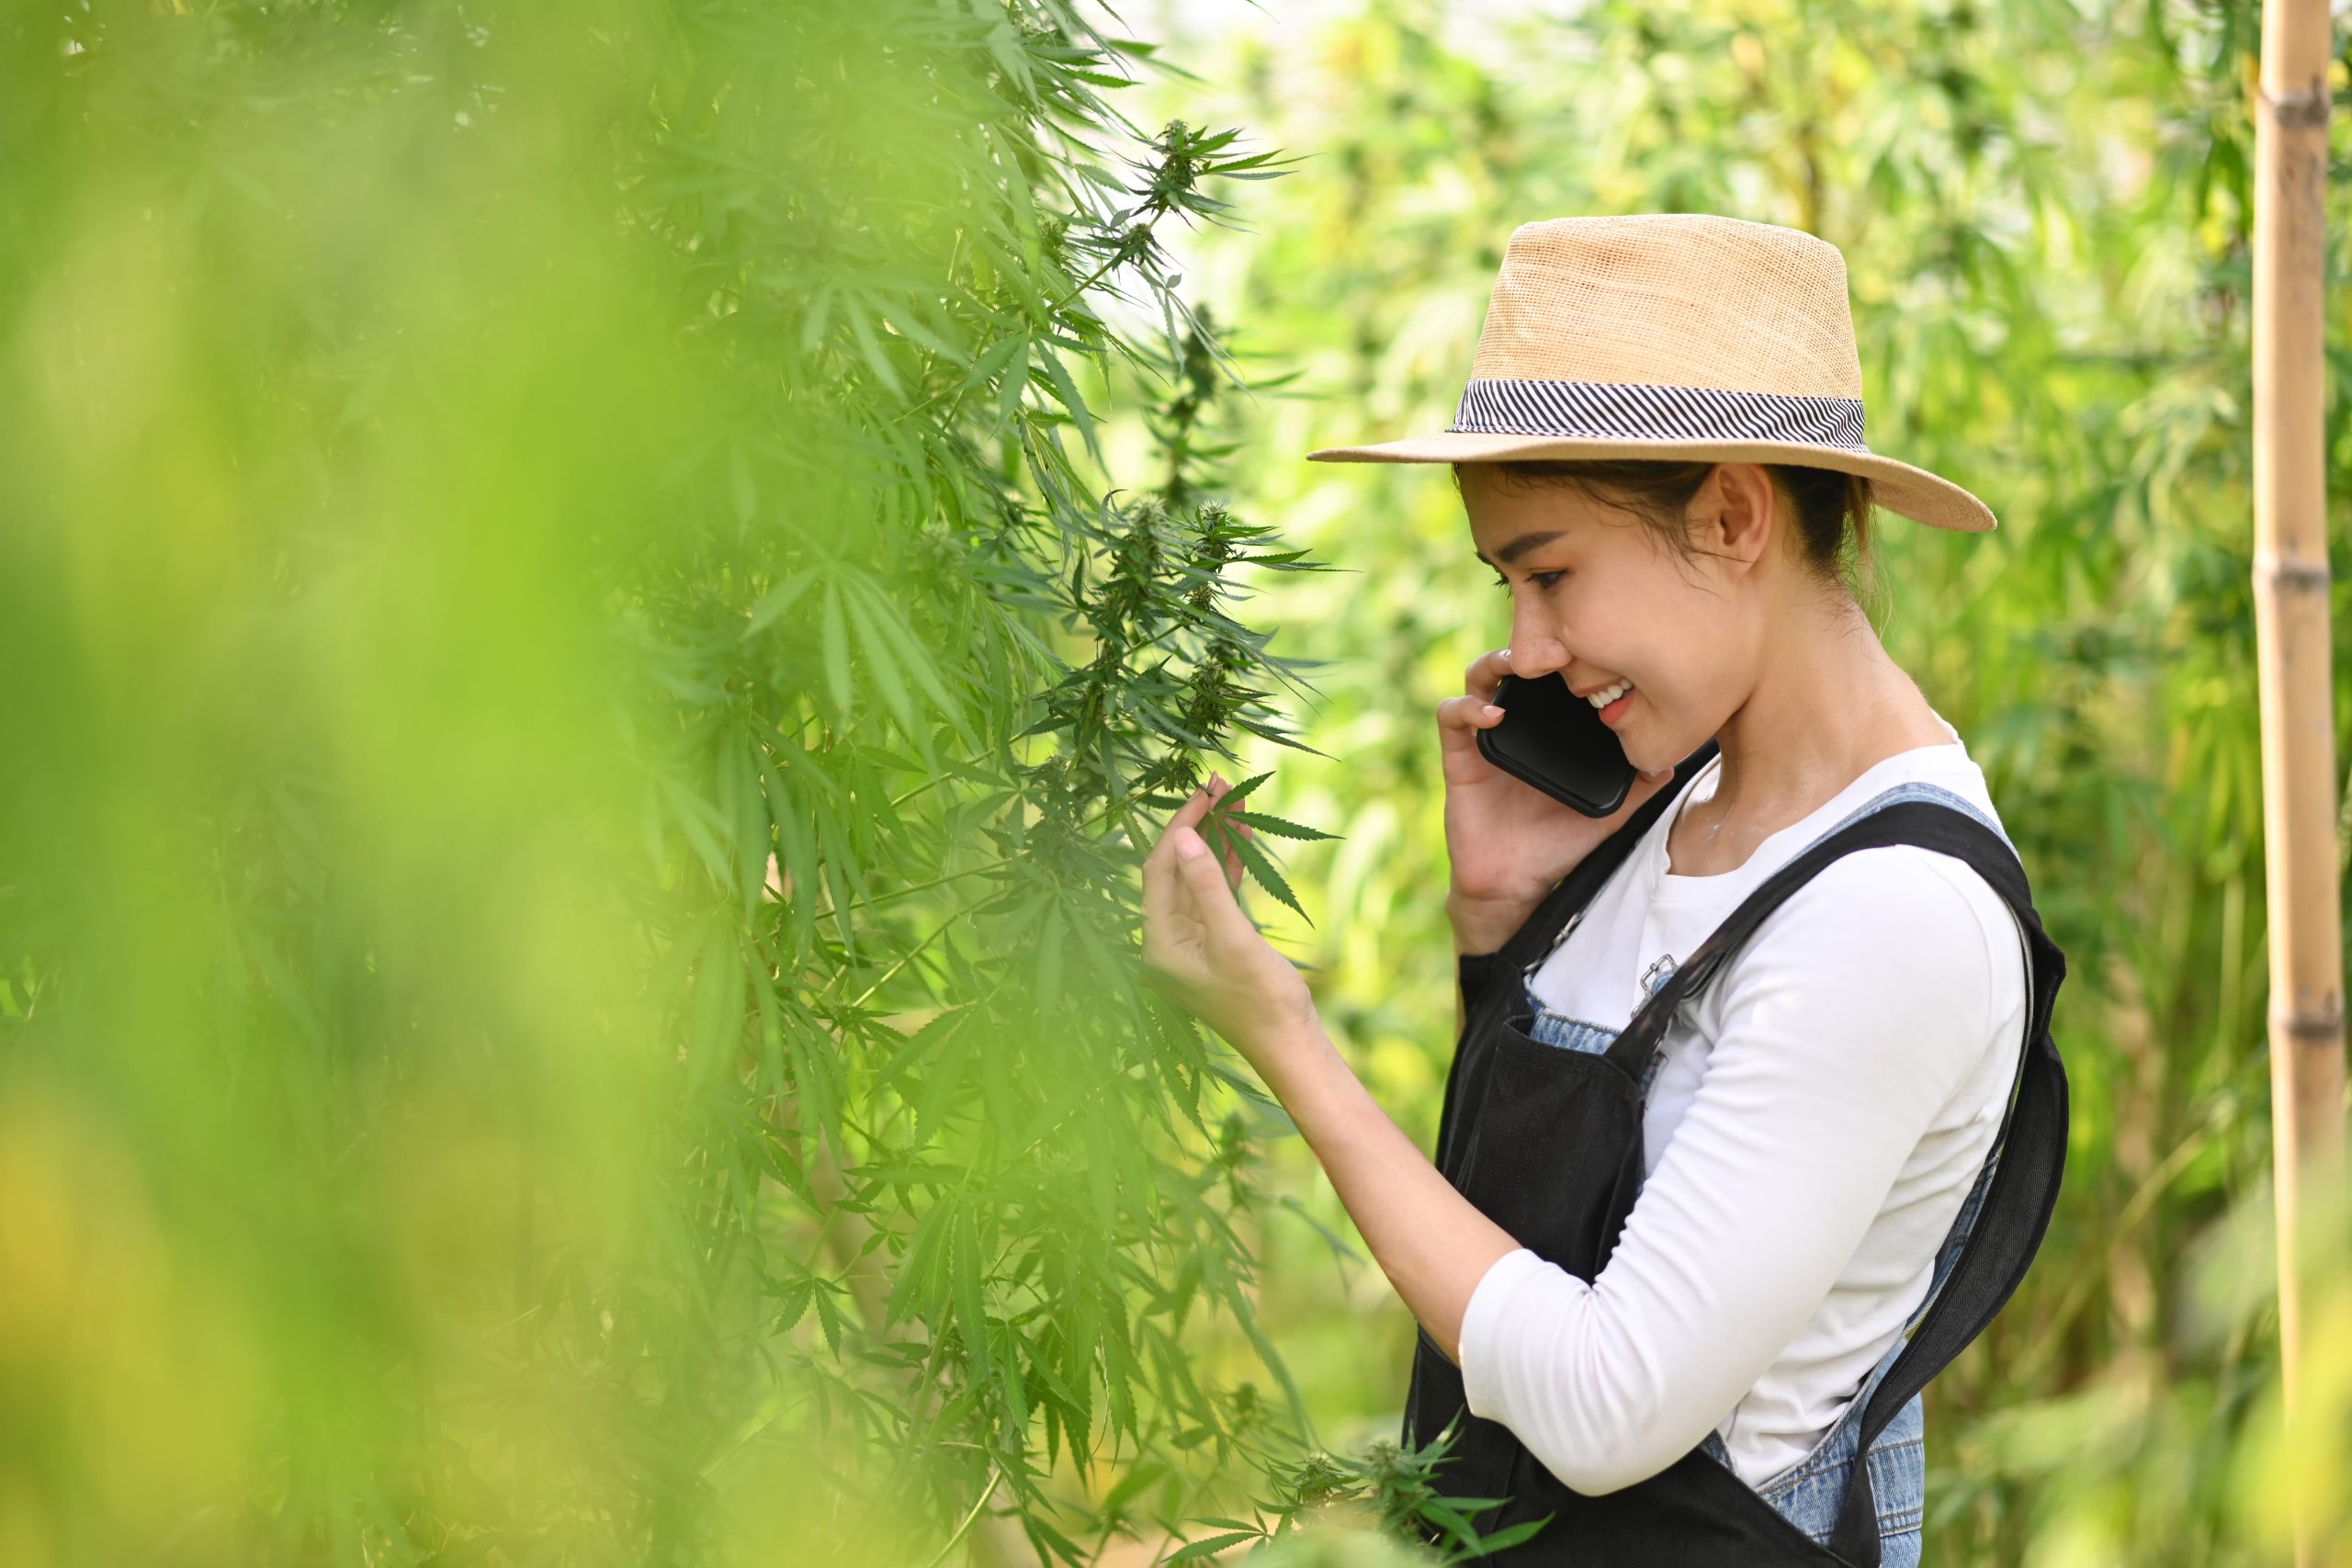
pixel 598 597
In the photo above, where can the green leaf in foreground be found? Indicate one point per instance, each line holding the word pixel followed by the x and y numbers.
pixel 1218 827
pixel 1209 1546
pixel 1221 836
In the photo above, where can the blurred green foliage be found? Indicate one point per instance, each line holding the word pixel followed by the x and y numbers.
pixel 599 599
pixel 583 702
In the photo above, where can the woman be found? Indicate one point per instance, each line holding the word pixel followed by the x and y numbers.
pixel 1736 1060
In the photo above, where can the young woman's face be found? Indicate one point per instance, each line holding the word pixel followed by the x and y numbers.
pixel 1596 595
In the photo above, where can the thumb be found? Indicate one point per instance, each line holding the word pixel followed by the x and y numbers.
pixel 1211 895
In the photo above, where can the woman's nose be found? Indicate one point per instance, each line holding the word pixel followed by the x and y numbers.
pixel 1534 651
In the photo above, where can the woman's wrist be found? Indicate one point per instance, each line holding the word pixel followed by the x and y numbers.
pixel 1482 925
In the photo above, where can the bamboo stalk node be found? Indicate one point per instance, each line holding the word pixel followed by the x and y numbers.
pixel 2309 576
pixel 2322 1024
pixel 2298 111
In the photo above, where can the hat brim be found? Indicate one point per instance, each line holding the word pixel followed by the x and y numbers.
pixel 1897 486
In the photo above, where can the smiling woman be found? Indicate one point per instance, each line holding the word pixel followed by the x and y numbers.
pixel 1715 1194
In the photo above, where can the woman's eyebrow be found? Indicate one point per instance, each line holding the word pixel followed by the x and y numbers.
pixel 1521 545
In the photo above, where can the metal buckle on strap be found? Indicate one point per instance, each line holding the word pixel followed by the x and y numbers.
pixel 1538 961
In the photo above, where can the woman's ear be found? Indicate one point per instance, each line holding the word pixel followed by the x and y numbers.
pixel 1734 514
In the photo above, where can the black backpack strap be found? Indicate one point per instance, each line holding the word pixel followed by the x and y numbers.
pixel 2029 1153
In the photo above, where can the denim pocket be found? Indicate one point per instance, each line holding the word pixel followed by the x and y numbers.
pixel 1568 1034
pixel 1811 1496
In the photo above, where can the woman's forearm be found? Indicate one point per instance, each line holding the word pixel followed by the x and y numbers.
pixel 1432 1242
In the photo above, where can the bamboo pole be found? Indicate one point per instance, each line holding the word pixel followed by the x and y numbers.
pixel 2292 648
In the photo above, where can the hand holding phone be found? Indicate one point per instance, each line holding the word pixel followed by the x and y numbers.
pixel 1509 841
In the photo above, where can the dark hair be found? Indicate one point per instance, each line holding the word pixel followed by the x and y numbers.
pixel 1832 509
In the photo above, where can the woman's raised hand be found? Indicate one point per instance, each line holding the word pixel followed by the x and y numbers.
pixel 1508 841
pixel 1202 950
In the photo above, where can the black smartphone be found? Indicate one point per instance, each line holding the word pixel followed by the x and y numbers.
pixel 1554 740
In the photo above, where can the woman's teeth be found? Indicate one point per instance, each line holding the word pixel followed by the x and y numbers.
pixel 1607 694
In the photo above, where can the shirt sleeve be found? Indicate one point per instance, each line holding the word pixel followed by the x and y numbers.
pixel 1848 1022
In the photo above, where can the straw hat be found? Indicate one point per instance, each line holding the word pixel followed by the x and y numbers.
pixel 1672 335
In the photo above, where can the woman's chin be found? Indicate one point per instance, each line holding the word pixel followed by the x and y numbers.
pixel 1653 746
pixel 1649 755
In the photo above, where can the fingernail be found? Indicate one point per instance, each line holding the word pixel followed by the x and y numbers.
pixel 1491 710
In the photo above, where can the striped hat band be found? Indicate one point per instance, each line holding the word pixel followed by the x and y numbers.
pixel 1612 410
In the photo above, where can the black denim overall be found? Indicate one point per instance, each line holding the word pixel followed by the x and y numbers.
pixel 1547 1143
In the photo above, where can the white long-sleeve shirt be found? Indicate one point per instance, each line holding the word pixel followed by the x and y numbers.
pixel 1820 1114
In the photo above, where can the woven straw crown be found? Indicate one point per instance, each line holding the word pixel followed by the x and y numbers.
pixel 1672 335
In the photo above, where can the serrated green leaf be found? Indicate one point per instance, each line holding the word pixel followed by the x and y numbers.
pixel 693 815
pixel 1221 836
pixel 944 1086
pixel 1502 1539
pixel 1042 1533
pixel 1011 390
pixel 998 355
pixel 1209 1546
pixel 870 347
pixel 1066 391
pixel 915 1292
pixel 796 1306
pixel 971 1309
pixel 881 663
pixel 1236 791
pixel 1279 827
pixel 918 1044
pixel 1004 44
pixel 828 1317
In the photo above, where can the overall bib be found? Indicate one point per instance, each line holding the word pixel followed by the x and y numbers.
pixel 1541 1130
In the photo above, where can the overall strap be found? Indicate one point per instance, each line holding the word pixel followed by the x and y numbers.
pixel 1474 971
pixel 1542 930
pixel 2030 1151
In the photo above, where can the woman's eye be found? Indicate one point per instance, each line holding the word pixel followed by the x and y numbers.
pixel 1543 579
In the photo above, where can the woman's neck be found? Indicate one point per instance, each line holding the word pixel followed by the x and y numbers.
pixel 1827 704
